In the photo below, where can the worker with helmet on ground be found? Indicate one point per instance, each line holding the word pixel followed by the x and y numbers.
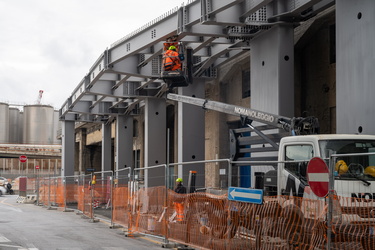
pixel 171 59
pixel 180 189
pixel 179 206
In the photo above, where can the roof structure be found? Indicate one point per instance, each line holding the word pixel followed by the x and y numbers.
pixel 216 31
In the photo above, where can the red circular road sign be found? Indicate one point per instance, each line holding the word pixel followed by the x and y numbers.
pixel 23 158
pixel 318 176
pixel 36 167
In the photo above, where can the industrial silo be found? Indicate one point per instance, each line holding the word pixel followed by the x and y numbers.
pixel 56 128
pixel 20 129
pixel 38 124
pixel 4 123
pixel 14 124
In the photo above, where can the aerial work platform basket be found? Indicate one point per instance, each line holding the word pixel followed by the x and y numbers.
pixel 174 68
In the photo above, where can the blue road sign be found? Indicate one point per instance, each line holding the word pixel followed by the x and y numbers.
pixel 245 195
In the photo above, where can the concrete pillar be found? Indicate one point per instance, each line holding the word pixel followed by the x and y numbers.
pixel 106 147
pixel 155 141
pixel 67 156
pixel 124 142
pixel 191 141
pixel 355 60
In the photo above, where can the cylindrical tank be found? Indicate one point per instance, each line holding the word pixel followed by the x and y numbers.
pixel 14 124
pixel 4 123
pixel 38 124
pixel 56 127
pixel 20 128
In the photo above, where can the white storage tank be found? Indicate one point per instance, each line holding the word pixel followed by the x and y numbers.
pixel 56 128
pixel 4 123
pixel 14 124
pixel 20 128
pixel 38 124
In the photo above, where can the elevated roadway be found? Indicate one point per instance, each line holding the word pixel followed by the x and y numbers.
pixel 31 151
pixel 216 30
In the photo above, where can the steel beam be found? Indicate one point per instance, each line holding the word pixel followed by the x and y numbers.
pixel 355 60
pixel 155 140
pixel 106 147
pixel 68 146
pixel 272 71
pixel 124 142
pixel 191 129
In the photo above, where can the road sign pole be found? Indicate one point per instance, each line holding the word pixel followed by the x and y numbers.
pixel 331 194
pixel 37 187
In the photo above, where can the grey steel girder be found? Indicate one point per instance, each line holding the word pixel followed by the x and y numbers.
pixel 216 30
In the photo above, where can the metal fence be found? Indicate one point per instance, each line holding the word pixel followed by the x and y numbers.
pixel 209 220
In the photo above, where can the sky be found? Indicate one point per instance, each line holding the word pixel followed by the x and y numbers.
pixel 50 45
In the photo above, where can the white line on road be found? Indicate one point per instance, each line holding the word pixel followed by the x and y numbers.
pixel 3 239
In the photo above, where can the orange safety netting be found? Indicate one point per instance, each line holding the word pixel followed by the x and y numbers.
pixel 120 205
pixel 210 221
pixel 51 192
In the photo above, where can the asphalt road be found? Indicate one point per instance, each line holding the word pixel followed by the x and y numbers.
pixel 27 226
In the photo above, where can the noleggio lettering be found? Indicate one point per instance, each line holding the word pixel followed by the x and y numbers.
pixel 254 114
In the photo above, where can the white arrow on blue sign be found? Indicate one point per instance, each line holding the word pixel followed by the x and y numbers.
pixel 245 195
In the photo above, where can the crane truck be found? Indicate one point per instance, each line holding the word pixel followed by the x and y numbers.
pixel 349 174
pixel 355 167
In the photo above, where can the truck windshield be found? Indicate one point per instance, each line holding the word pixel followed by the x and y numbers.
pixel 355 167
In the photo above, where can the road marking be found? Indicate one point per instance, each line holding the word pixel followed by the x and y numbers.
pixel 10 206
pixel 3 239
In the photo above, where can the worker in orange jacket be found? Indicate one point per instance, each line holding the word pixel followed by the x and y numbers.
pixel 179 205
pixel 171 60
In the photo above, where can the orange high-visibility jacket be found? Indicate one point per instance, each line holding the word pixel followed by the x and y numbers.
pixel 171 61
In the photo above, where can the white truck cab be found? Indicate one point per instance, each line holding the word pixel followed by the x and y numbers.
pixel 354 174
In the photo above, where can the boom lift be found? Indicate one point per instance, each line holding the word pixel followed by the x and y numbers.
pixel 241 145
pixel 346 186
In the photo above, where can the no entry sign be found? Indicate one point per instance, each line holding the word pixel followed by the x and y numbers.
pixel 318 176
pixel 23 158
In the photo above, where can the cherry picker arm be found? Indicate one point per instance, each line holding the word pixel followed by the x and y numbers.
pixel 295 125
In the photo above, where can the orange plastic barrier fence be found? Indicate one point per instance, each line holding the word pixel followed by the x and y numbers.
pixel 51 192
pixel 71 193
pixel 147 208
pixel 120 205
pixel 209 221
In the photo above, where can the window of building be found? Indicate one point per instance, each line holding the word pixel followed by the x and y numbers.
pixel 137 160
pixel 246 84
pixel 135 128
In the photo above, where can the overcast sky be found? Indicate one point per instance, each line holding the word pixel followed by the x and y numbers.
pixel 50 45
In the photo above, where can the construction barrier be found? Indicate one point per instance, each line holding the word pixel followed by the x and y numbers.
pixel 71 197
pixel 120 197
pixel 51 191
pixel 101 191
pixel 206 220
